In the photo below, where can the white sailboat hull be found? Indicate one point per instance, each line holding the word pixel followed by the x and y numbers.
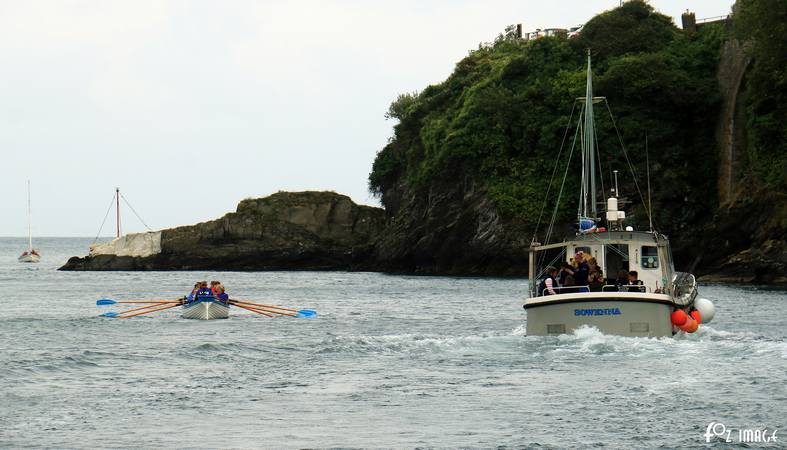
pixel 616 313
pixel 29 258
pixel 205 310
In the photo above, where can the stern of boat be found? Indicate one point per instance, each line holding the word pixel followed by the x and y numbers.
pixel 617 313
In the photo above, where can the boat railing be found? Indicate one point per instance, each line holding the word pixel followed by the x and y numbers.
pixel 626 288
pixel 567 290
pixel 607 288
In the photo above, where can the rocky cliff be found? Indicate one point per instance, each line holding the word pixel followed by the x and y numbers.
pixel 287 230
pixel 464 177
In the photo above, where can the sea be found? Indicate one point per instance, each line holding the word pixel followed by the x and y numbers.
pixel 389 361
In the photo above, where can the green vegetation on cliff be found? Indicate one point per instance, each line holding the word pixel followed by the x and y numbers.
pixel 763 25
pixel 499 119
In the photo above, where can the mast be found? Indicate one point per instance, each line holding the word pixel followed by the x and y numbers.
pixel 29 221
pixel 117 209
pixel 589 207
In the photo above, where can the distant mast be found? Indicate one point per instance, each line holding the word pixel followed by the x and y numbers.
pixel 117 210
pixel 29 221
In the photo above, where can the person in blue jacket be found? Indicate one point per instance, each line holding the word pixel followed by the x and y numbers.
pixel 220 293
pixel 190 297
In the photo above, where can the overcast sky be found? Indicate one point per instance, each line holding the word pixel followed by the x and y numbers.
pixel 191 106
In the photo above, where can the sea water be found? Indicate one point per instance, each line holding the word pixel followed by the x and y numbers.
pixel 389 361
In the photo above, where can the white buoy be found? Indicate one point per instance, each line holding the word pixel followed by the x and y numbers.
pixel 706 309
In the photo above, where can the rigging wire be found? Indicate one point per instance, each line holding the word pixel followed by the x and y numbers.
pixel 105 218
pixel 628 160
pixel 135 212
pixel 559 196
pixel 554 170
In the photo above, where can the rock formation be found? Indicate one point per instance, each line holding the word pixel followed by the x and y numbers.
pixel 287 230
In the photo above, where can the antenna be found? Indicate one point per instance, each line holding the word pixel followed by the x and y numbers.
pixel 617 193
pixel 647 164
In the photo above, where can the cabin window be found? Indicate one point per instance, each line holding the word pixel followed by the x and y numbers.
pixel 650 257
pixel 617 259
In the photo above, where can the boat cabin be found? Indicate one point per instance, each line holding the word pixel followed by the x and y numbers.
pixel 648 253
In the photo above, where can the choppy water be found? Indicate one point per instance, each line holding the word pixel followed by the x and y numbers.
pixel 391 361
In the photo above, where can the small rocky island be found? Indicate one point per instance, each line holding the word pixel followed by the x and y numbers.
pixel 285 231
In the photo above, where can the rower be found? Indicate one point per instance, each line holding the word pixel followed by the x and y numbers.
pixel 221 294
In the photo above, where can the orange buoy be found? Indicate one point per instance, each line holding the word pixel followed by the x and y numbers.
pixel 696 316
pixel 695 324
pixel 679 318
pixel 688 324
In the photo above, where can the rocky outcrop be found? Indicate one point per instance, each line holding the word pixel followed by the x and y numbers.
pixel 746 242
pixel 287 230
pixel 454 230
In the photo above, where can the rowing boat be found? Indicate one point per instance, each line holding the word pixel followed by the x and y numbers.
pixel 206 308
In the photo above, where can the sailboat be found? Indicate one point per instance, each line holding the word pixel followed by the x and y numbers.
pixel 661 302
pixel 31 255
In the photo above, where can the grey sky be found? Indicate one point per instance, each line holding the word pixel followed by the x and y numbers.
pixel 190 106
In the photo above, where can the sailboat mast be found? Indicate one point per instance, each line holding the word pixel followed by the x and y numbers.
pixel 589 156
pixel 29 221
pixel 117 209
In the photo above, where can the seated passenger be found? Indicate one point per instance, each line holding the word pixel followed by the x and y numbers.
pixel 569 286
pixel 220 293
pixel 203 291
pixel 635 283
pixel 597 281
pixel 548 283
pixel 213 285
pixel 190 297
pixel 565 270
pixel 622 280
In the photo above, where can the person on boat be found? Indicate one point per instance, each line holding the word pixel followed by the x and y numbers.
pixel 203 291
pixel 566 270
pixel 190 297
pixel 213 285
pixel 622 281
pixel 221 293
pixel 548 283
pixel 635 284
pixel 592 264
pixel 583 270
pixel 569 286
pixel 597 280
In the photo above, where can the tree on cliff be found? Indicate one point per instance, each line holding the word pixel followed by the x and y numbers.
pixel 497 122
pixel 763 25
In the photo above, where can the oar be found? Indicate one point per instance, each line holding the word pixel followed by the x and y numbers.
pixel 260 308
pixel 114 314
pixel 254 310
pixel 264 305
pixel 123 316
pixel 107 301
pixel 303 313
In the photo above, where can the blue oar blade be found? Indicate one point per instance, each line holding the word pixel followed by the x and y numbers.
pixel 306 313
pixel 105 301
pixel 109 314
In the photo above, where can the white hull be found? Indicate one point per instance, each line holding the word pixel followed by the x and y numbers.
pixel 618 313
pixel 205 310
pixel 29 258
